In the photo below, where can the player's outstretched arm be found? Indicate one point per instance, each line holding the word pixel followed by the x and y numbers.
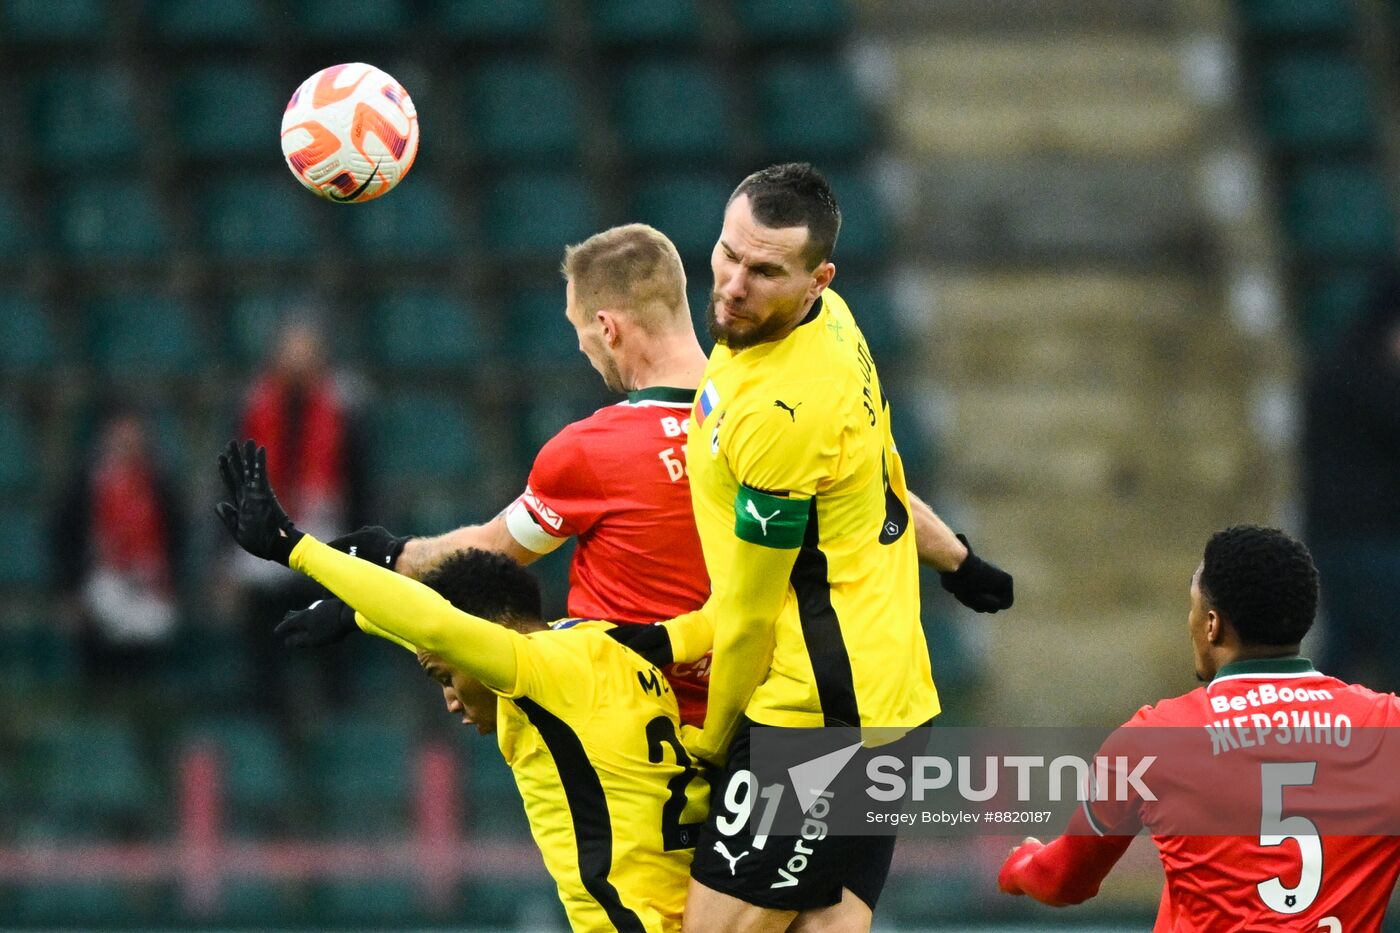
pixel 403 608
pixel 976 583
pixel 416 557
pixel 1067 871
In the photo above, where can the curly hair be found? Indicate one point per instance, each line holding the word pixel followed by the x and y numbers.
pixel 1261 581
pixel 794 194
pixel 489 585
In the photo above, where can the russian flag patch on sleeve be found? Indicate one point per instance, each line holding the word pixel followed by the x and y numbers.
pixel 706 402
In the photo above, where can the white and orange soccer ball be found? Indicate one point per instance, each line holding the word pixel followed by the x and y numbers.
pixel 350 133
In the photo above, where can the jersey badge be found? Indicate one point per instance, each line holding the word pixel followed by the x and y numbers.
pixel 706 402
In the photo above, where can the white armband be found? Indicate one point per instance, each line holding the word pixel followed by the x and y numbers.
pixel 527 532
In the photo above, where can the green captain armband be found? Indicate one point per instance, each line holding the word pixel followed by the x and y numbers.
pixel 769 520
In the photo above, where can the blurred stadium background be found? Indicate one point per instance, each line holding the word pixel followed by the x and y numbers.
pixel 1095 245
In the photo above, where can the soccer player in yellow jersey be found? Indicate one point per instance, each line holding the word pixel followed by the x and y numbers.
pixel 588 726
pixel 804 518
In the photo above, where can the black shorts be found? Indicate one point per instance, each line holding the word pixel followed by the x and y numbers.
pixel 782 872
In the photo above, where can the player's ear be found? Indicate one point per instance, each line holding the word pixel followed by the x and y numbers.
pixel 821 277
pixel 609 321
pixel 1215 630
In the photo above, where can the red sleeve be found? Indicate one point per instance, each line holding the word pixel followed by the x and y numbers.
pixel 564 496
pixel 1067 871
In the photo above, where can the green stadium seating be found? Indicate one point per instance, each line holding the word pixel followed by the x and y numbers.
pixel 1303 19
pixel 500 903
pixel 671 110
pixel 1339 210
pixel 45 20
pixel 537 332
pixel 493 805
pixel 342 20
pixel 363 771
pixel 226 109
pixel 417 222
pixel 35 657
pixel 255 769
pixel 863 228
pixel 624 22
pixel 17 456
pixel 767 22
pixel 31 567
pixel 117 218
pixel 791 126
pixel 491 21
pixel 366 902
pixel 89 904
pixel 261 905
pixel 534 216
pixel 424 329
pixel 27 335
pixel 873 306
pixel 255 317
pixel 139 334
pixel 259 216
pixel 425 435
pixel 84 115
pixel 689 208
pixel 1315 99
pixel 17 226
pixel 213 21
pixel 523 108
pixel 1331 303
pixel 92 777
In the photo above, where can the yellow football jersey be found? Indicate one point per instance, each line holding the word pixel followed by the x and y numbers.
pixel 790 447
pixel 589 728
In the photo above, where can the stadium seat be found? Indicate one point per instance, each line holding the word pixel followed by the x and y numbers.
pixel 17 455
pixel 863 229
pixel 114 218
pixel 34 656
pixel 258 216
pixel 417 222
pixel 212 21
pixel 17 226
pixel 1339 210
pixel 491 21
pixel 1331 303
pixel 533 216
pixel 367 902
pixel 342 20
pixel 873 307
pixel 1296 19
pixel 405 449
pixel 44 20
pixel 81 798
pixel 1315 99
pixel 687 208
pixel 425 329
pixel 222 110
pixel 672 110
pixel 27 335
pixel 787 89
pixel 522 903
pixel 257 904
pixel 136 334
pixel 539 333
pixel 255 770
pixel 623 22
pixel 85 115
pixel 88 904
pixel 523 108
pixel 769 22
pixel 362 769
pixel 31 568
pixel 493 805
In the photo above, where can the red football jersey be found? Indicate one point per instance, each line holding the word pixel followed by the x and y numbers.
pixel 616 480
pixel 1286 753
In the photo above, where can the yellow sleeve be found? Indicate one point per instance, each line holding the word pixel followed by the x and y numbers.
pixel 692 635
pixel 414 614
pixel 369 628
pixel 793 447
pixel 559 671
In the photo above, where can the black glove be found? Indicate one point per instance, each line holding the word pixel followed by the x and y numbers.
pixel 324 622
pixel 253 515
pixel 372 543
pixel 979 585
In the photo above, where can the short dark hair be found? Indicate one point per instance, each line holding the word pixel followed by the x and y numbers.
pixel 1263 582
pixel 488 585
pixel 794 194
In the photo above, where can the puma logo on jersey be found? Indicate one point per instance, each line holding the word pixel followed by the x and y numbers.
pixel 761 519
pixel 733 860
pixel 790 409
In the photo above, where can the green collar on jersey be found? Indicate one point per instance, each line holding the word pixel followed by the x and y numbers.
pixel 662 394
pixel 1287 665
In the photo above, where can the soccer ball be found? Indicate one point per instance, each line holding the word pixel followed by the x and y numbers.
pixel 350 133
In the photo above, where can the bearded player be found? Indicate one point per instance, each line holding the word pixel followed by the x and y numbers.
pixel 1252 600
